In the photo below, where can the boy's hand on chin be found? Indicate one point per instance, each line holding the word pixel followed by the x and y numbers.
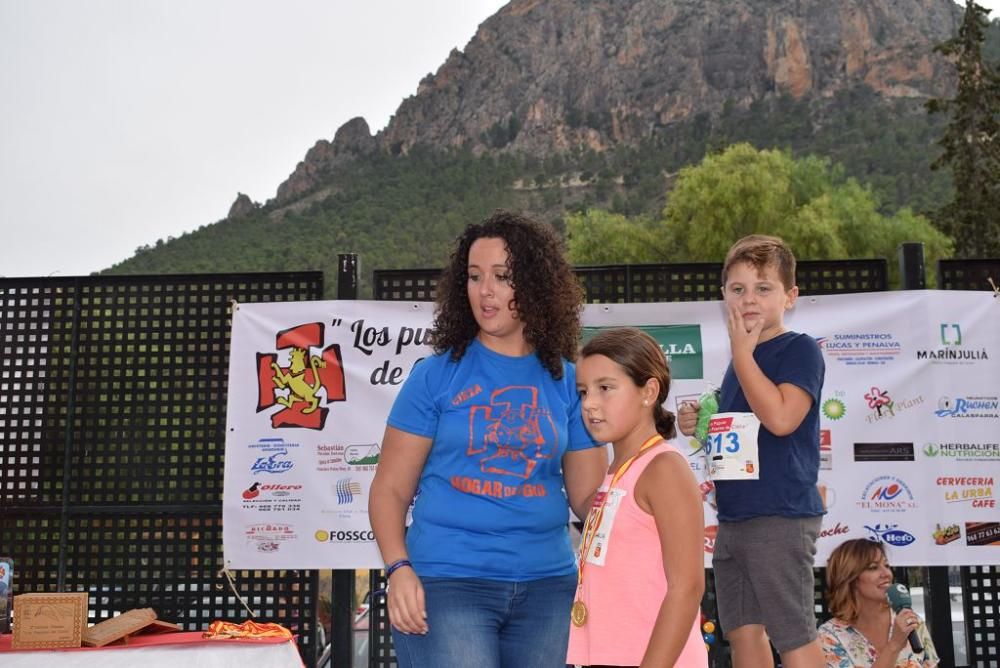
pixel 741 339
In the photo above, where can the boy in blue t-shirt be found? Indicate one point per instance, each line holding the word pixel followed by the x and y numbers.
pixel 765 548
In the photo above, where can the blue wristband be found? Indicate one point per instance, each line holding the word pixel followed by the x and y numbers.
pixel 395 566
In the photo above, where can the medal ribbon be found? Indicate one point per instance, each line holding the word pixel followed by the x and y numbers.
pixel 594 518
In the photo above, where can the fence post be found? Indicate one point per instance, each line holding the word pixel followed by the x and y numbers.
pixel 347 276
pixel 911 265
pixel 342 596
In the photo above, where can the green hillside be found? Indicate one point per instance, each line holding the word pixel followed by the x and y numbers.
pixel 403 211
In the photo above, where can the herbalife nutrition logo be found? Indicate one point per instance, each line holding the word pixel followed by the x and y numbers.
pixel 968 452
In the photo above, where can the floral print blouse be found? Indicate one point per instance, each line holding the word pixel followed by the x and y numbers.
pixel 846 647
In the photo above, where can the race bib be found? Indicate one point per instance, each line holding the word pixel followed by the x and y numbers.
pixel 731 446
pixel 598 551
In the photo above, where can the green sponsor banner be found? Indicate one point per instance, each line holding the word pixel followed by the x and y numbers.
pixel 680 343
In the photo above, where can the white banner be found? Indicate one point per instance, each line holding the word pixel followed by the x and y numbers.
pixel 910 419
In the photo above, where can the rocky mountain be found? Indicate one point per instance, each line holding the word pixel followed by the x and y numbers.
pixel 544 76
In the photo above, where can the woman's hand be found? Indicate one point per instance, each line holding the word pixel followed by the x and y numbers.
pixel 906 622
pixel 405 602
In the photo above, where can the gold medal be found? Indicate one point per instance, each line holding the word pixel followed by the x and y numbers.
pixel 579 613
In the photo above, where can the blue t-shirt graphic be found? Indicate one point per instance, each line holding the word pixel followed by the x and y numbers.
pixel 491 502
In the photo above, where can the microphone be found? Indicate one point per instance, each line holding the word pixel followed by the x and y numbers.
pixel 899 598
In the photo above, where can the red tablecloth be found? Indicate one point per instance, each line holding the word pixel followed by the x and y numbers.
pixel 167 649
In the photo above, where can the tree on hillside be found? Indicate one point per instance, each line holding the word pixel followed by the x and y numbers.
pixel 971 141
pixel 741 191
pixel 601 237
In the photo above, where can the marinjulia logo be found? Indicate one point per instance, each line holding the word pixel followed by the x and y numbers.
pixel 952 350
pixel 968 407
pixel 891 534
pixel 300 386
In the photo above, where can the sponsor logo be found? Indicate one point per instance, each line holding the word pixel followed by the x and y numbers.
pixel 945 534
pixel 346 490
pixel 825 450
pixel 834 409
pixel 711 533
pixel 269 537
pixel 883 452
pixel 272 445
pixel 301 385
pixel 273 463
pixel 836 530
pixel 952 350
pixel 977 491
pixel 861 348
pixel 680 343
pixel 964 452
pixel 362 455
pixel 982 533
pixel 330 457
pixel 344 536
pixel 887 494
pixel 968 407
pixel 890 534
pixel 884 406
pixel 257 489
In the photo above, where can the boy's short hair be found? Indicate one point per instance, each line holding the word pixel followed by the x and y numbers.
pixel 759 251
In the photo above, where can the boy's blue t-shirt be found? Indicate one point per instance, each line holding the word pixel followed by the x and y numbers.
pixel 789 465
pixel 490 502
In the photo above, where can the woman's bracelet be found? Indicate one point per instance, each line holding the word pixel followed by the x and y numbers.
pixel 395 566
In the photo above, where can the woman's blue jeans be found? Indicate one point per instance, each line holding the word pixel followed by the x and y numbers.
pixel 491 624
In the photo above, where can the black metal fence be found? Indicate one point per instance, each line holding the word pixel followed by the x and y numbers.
pixel 112 432
pixel 112 435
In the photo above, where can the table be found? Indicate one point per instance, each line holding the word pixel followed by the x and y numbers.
pixel 170 650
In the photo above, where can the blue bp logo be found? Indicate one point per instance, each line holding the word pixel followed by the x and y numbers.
pixel 890 534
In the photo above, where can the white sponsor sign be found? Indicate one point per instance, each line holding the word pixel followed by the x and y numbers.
pixel 910 424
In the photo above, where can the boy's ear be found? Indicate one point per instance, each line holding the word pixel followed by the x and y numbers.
pixel 791 296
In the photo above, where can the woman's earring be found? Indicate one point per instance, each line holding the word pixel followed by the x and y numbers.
pixel 645 402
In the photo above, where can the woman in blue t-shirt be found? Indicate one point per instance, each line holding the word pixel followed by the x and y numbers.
pixel 487 435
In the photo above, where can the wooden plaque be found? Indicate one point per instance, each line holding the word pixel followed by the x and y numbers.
pixel 44 621
pixel 118 628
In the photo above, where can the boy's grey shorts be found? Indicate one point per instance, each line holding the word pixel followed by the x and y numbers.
pixel 764 575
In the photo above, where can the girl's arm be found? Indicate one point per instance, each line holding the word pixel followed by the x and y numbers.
pixel 667 490
pixel 399 467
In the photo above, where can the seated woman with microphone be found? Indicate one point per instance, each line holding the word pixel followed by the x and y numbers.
pixel 865 629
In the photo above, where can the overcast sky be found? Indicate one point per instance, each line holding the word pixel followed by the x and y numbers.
pixel 126 121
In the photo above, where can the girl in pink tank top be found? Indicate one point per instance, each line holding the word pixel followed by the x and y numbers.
pixel 641 568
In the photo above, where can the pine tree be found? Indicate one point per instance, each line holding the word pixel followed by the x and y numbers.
pixel 971 141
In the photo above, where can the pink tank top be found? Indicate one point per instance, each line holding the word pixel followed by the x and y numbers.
pixel 624 584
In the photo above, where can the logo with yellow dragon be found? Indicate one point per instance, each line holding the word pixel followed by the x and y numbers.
pixel 303 382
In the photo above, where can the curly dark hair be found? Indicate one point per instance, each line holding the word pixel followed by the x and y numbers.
pixel 548 297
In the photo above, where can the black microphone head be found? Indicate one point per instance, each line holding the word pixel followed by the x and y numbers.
pixel 899 597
